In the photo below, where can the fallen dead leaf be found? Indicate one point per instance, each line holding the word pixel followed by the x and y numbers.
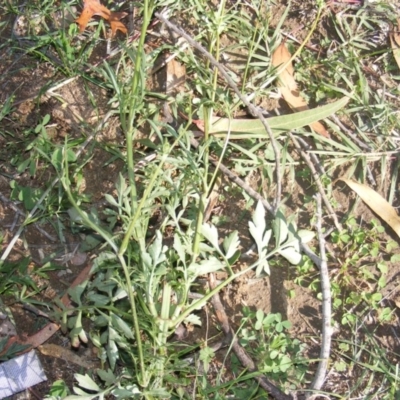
pixel 94 7
pixel 116 24
pixel 376 203
pixel 288 86
pixel 395 43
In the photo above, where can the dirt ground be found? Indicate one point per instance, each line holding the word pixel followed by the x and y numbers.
pixel 23 77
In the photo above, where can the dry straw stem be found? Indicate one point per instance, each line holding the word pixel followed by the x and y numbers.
pixel 253 110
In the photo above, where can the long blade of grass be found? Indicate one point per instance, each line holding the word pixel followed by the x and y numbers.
pixel 251 129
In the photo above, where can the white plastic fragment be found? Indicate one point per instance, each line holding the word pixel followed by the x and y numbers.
pixel 20 373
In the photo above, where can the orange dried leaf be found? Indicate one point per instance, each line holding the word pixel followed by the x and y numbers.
pixel 94 7
pixel 288 85
pixel 116 24
pixel 91 8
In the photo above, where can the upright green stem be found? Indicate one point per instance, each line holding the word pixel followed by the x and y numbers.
pixel 136 95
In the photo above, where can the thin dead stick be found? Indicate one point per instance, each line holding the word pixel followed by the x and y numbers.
pixel 306 147
pixel 318 182
pixel 31 213
pixel 326 306
pixel 11 204
pixel 241 354
pixel 253 110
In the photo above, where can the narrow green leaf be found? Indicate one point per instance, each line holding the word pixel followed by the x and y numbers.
pixel 253 128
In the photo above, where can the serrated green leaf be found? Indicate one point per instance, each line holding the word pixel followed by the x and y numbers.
pixel 211 234
pixel 86 382
pixel 206 266
pixel 76 292
pixel 253 128
pixel 106 376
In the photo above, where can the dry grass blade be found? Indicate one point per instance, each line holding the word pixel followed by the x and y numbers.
pixel 288 85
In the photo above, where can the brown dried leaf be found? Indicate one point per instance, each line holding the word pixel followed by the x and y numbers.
pixel 288 86
pixel 395 43
pixel 116 24
pixel 376 203
pixel 94 7
pixel 91 8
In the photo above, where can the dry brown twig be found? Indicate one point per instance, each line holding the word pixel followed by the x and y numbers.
pixel 326 306
pixel 318 182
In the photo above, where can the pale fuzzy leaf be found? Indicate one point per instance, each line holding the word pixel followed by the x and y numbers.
pixel 111 200
pixel 253 128
pixel 376 203
pixel 293 241
pixel 263 267
pixel 257 227
pixel 281 230
pixel 266 237
pixel 231 244
pixel 259 217
pixel 180 250
pixel 281 58
pixel 291 255
pixel 156 250
pixel 81 395
pixel 305 235
pixel 211 234
pixel 86 382
pixel 206 266
pixel 193 319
